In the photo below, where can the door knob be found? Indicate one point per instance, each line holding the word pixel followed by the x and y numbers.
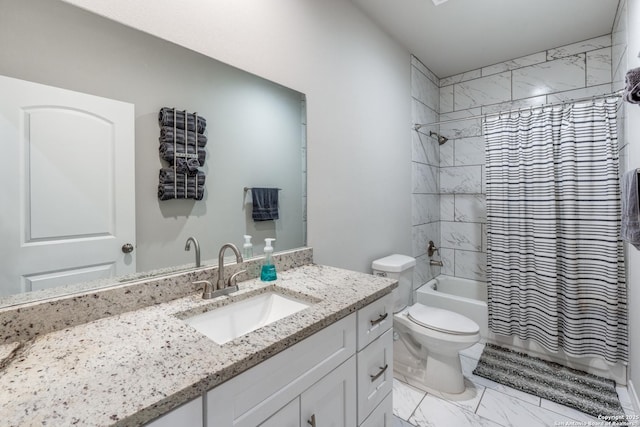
pixel 127 248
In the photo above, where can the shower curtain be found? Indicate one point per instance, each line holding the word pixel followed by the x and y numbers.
pixel 555 258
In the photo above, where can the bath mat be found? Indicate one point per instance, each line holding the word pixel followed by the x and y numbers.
pixel 585 392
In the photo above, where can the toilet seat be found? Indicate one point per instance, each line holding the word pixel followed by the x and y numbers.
pixel 441 320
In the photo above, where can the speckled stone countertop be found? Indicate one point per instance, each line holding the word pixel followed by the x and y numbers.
pixel 130 368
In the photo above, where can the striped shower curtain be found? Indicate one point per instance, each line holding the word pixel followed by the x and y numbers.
pixel 555 260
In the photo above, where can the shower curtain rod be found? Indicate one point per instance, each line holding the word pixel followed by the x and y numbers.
pixel 418 126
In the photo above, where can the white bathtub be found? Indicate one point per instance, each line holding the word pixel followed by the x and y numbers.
pixel 469 298
pixel 464 296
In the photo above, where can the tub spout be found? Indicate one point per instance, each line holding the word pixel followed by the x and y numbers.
pixel 436 262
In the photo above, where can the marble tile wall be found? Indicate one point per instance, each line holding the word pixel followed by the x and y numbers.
pixel 425 167
pixel 577 70
pixel 618 69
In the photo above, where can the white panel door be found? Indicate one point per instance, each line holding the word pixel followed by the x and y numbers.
pixel 68 197
pixel 331 402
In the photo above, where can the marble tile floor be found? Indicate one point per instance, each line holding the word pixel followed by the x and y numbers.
pixel 485 403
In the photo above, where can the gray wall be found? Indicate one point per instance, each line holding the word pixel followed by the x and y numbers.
pixel 255 129
pixel 356 80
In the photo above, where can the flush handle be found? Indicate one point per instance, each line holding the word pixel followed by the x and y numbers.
pixel 312 421
pixel 127 248
pixel 382 371
pixel 379 319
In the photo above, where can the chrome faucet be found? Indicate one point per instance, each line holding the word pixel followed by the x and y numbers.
pixel 232 280
pixel 221 288
pixel 187 247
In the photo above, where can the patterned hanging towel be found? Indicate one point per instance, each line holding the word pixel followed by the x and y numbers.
pixel 630 224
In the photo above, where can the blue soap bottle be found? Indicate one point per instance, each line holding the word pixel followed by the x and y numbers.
pixel 268 272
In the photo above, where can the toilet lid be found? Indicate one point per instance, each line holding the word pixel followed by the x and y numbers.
pixel 442 320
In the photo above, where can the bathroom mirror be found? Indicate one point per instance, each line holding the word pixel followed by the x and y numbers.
pixel 256 130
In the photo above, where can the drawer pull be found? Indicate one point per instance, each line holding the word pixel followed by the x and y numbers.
pixel 312 421
pixel 379 319
pixel 376 376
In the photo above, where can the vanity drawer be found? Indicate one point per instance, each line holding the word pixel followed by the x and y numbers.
pixel 374 320
pixel 375 374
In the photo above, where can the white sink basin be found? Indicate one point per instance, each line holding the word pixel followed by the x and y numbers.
pixel 236 319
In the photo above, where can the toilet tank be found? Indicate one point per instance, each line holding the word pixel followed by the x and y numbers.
pixel 400 268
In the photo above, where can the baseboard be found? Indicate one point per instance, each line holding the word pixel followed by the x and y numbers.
pixel 633 395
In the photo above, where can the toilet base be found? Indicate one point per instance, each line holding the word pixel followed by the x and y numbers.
pixel 428 371
pixel 444 373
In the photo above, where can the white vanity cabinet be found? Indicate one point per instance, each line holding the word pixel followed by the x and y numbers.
pixel 375 363
pixel 289 416
pixel 310 372
pixel 341 376
pixel 187 415
pixel 329 402
pixel 382 416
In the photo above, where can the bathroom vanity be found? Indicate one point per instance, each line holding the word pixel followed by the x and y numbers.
pixel 330 361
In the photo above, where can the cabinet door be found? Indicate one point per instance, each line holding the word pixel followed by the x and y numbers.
pixel 187 415
pixel 289 416
pixel 375 374
pixel 332 400
pixel 382 416
pixel 255 395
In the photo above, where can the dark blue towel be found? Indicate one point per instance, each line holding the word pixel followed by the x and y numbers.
pixel 167 135
pixel 168 191
pixel 166 152
pixel 265 204
pixel 169 176
pixel 165 118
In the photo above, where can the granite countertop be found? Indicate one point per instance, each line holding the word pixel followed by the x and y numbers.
pixel 130 368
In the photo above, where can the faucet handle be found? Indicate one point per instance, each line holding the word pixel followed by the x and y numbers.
pixel 431 249
pixel 233 280
pixel 207 293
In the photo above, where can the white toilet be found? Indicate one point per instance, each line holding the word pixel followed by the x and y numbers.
pixel 429 338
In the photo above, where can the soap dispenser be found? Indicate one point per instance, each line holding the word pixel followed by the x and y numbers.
pixel 247 248
pixel 268 272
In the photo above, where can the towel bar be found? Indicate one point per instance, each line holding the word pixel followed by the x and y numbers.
pixel 249 188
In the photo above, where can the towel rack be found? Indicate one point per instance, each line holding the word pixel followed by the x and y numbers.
pixel 198 190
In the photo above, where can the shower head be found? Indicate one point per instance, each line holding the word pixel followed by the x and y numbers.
pixel 441 139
